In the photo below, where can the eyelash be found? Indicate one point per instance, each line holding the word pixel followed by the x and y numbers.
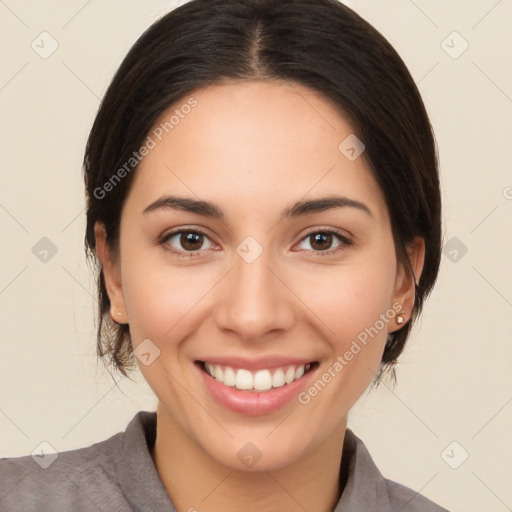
pixel 345 242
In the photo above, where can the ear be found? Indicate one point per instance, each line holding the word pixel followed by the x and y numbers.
pixel 112 274
pixel 404 285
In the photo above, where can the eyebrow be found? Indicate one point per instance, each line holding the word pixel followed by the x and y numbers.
pixel 300 208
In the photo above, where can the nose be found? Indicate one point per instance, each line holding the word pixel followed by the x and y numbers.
pixel 254 302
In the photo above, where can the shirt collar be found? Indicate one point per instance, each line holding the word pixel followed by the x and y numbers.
pixel 365 487
pixel 137 474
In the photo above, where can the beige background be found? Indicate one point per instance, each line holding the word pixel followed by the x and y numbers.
pixel 455 379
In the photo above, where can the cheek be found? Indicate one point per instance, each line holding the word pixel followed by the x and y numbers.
pixel 349 298
pixel 161 298
pixel 156 301
pixel 353 305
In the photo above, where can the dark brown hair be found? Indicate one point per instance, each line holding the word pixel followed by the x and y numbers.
pixel 321 44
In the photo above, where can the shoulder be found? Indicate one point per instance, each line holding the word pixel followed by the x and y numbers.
pixel 77 480
pixel 406 499
pixel 367 489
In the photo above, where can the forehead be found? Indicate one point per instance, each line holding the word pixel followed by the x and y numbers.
pixel 253 146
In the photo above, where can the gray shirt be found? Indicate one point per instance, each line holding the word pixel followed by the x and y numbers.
pixel 118 475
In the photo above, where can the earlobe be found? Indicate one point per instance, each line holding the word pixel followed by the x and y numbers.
pixel 406 280
pixel 111 273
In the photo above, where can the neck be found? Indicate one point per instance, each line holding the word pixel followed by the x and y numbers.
pixel 195 481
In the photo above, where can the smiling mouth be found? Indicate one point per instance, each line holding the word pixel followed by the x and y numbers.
pixel 257 381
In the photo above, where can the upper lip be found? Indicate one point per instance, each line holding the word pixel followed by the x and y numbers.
pixel 259 363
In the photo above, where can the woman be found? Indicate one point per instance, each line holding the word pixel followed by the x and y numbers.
pixel 263 205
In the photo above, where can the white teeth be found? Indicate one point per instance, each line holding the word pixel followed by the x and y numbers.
pixel 278 378
pixel 243 379
pixel 262 380
pixel 218 373
pixel 229 377
pixel 289 375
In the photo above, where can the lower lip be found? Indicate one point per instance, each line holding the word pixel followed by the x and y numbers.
pixel 253 403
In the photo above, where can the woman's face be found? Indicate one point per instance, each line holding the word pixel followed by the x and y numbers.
pixel 291 265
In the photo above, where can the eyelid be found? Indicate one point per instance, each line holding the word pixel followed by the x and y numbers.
pixel 326 229
pixel 345 238
pixel 163 239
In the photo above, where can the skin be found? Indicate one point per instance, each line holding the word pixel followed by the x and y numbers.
pixel 253 149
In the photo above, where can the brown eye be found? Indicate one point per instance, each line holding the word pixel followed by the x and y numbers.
pixel 325 242
pixel 187 241
pixel 321 241
pixel 191 241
